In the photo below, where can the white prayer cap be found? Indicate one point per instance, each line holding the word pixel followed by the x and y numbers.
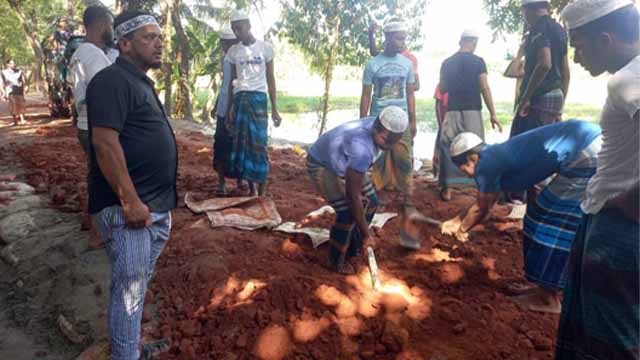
pixel 394 119
pixel 463 143
pixel 394 26
pixel 239 15
pixel 227 34
pixel 470 33
pixel 527 2
pixel 582 12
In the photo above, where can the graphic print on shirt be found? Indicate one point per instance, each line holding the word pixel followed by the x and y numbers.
pixel 389 84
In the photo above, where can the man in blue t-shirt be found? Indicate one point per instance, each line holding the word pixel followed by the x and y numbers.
pixel 566 152
pixel 337 164
pixel 389 81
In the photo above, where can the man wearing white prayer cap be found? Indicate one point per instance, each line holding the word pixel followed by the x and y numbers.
pixel 464 77
pixel 600 313
pixel 222 142
pixel 252 76
pixel 393 27
pixel 566 151
pixel 389 80
pixel 348 152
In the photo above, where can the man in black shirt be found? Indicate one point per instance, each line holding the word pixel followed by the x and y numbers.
pixel 464 77
pixel 132 177
pixel 546 80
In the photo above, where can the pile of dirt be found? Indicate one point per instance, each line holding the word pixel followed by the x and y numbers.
pixel 231 294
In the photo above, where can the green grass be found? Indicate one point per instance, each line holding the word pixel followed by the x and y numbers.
pixel 425 108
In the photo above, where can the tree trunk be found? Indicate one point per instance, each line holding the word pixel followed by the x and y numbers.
pixel 185 57
pixel 167 64
pixel 211 101
pixel 328 74
pixel 31 33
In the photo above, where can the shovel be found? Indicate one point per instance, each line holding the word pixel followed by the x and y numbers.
pixel 410 234
pixel 373 268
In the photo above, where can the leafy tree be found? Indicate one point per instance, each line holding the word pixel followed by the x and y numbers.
pixel 332 32
pixel 505 16
pixel 37 19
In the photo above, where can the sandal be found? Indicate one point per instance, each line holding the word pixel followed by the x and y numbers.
pixel 519 289
pixel 344 269
pixel 153 349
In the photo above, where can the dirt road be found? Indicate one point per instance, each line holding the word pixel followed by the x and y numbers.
pixel 231 294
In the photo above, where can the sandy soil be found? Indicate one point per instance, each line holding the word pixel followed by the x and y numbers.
pixel 230 294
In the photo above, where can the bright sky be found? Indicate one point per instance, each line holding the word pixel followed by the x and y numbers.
pixel 442 25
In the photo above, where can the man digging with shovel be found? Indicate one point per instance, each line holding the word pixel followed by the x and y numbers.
pixel 338 163
pixel 566 154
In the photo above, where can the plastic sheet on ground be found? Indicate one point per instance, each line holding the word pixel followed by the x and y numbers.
pixel 319 235
pixel 517 212
pixel 245 213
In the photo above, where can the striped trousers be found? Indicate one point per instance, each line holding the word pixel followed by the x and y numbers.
pixel 133 254
pixel 345 240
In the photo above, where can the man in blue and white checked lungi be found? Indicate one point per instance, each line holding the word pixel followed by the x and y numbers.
pixel 566 152
pixel 132 176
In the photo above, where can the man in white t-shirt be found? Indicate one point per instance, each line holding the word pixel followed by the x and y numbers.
pixel 600 318
pixel 89 59
pixel 252 75
pixel 13 89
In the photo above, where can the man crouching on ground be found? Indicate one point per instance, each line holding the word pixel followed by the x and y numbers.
pixel 338 163
pixel 132 177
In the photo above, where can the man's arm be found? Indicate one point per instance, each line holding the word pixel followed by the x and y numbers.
pixel 373 49
pixel 354 181
pixel 113 165
pixel 416 86
pixel 628 203
pixel 474 215
pixel 443 83
pixel 230 114
pixel 411 106
pixel 566 77
pixel 543 66
pixel 271 84
pixel 365 100
pixel 488 100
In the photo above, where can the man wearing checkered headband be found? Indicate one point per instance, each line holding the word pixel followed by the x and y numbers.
pixel 132 176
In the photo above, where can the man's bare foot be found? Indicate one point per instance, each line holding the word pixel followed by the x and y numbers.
pixel 540 300
pixel 445 194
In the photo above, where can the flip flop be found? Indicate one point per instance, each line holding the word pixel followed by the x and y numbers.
pixel 519 289
pixel 153 349
pixel 520 302
pixel 345 269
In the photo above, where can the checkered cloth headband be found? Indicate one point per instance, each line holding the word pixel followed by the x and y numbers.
pixel 134 24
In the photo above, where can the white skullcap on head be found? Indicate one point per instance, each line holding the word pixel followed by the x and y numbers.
pixel 582 12
pixel 227 34
pixel 470 33
pixel 527 2
pixel 239 15
pixel 463 143
pixel 394 119
pixel 394 26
